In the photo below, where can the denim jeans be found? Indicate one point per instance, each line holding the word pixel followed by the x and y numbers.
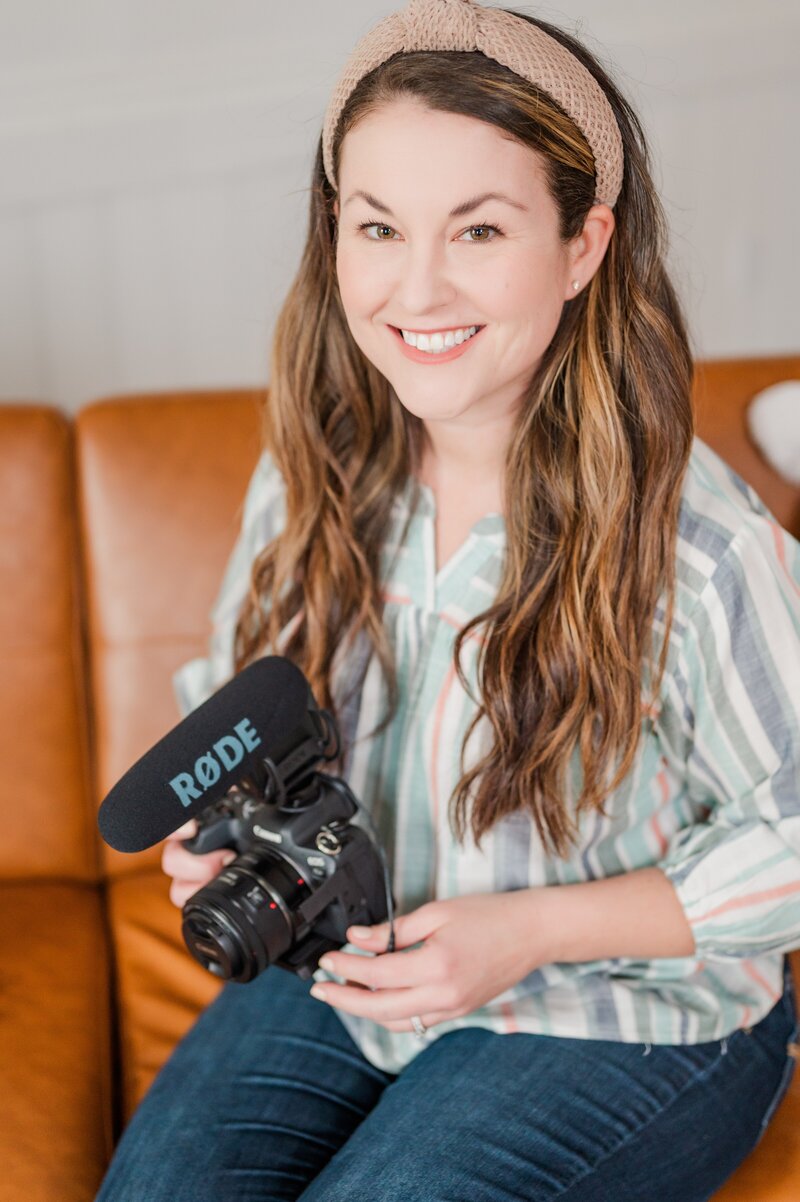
pixel 267 1097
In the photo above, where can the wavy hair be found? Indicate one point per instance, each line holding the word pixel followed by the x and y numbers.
pixel 592 479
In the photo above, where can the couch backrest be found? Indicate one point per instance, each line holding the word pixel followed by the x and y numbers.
pixel 48 820
pixel 161 485
pixel 723 390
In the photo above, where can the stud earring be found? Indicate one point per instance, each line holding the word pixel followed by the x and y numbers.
pixel 576 284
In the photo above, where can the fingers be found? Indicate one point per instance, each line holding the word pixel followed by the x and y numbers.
pixel 187 831
pixel 408 929
pixel 184 884
pixel 430 1020
pixel 384 1006
pixel 177 861
pixel 388 971
pixel 190 872
pixel 181 891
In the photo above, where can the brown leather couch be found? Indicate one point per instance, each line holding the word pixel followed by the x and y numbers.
pixel 115 530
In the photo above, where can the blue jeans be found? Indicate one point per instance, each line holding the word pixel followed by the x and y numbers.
pixel 267 1097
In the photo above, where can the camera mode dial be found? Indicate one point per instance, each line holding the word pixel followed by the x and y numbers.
pixel 328 842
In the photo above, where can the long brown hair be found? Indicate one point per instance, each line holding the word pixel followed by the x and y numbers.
pixel 592 477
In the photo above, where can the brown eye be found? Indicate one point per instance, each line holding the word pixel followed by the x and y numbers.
pixel 495 231
pixel 376 225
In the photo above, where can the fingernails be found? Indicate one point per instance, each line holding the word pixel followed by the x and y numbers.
pixel 318 991
pixel 359 932
pixel 326 963
pixel 228 858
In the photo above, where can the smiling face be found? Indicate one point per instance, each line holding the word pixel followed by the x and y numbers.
pixel 419 268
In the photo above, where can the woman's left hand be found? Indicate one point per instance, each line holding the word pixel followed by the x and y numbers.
pixel 474 948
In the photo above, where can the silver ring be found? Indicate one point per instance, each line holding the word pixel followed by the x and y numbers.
pixel 419 1026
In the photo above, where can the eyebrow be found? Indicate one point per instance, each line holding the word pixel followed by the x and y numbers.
pixel 461 210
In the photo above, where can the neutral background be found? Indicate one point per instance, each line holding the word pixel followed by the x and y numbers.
pixel 155 157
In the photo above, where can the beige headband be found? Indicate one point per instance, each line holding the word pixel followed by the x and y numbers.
pixel 517 44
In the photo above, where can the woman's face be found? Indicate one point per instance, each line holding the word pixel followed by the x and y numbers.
pixel 417 268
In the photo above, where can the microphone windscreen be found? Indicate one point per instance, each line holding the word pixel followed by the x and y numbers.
pixel 257 714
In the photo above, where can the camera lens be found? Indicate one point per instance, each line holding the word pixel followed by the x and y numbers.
pixel 242 921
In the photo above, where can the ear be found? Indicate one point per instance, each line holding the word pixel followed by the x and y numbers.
pixel 586 250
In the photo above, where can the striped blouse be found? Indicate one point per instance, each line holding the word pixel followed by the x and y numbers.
pixel 713 797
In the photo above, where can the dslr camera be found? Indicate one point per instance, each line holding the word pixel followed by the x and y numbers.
pixel 303 872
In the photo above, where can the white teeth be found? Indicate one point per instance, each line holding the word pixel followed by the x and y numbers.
pixel 435 344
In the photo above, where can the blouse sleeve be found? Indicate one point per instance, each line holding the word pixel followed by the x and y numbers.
pixel 732 715
pixel 263 515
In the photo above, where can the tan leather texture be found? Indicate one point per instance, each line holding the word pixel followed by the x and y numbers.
pixel 161 483
pixel 48 826
pixel 723 390
pixel 55 1042
pixel 114 532
pixel 161 988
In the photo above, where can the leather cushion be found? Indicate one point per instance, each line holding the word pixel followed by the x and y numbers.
pixel 55 1059
pixel 161 988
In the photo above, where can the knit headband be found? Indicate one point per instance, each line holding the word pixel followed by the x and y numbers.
pixel 517 44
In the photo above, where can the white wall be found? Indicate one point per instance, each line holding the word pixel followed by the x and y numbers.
pixel 155 157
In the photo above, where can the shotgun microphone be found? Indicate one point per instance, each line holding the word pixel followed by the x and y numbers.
pixel 266 712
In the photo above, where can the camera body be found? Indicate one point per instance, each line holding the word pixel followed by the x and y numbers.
pixel 303 874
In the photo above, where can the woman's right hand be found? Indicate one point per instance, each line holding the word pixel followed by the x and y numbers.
pixel 190 872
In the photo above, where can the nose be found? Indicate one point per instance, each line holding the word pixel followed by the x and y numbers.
pixel 423 281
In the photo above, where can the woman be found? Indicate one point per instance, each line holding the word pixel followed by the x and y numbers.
pixel 525 590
